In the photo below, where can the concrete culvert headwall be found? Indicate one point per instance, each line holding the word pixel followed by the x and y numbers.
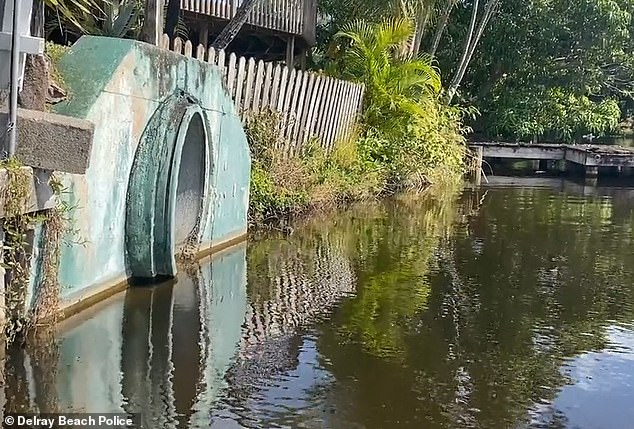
pixel 169 165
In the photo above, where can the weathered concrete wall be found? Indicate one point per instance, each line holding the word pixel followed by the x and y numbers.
pixel 132 211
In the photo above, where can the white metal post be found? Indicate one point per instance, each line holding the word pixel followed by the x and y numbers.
pixel 16 78
pixel 14 45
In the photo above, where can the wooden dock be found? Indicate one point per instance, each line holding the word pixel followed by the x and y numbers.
pixel 590 157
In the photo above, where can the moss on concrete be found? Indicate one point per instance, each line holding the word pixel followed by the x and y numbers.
pixel 86 79
pixel 55 52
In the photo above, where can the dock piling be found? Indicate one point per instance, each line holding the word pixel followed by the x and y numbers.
pixel 477 169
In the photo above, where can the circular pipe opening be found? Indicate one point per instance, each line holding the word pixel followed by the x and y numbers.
pixel 190 188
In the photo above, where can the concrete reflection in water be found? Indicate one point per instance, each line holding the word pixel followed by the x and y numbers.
pixel 162 351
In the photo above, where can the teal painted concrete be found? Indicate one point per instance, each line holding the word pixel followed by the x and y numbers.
pixel 232 191
pixel 85 88
pixel 143 102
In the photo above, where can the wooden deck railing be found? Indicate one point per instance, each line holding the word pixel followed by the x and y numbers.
pixel 287 16
pixel 311 104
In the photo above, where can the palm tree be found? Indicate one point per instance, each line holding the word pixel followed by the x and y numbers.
pixel 419 11
pixel 397 86
pixel 73 10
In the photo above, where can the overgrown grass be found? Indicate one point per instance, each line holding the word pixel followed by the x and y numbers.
pixel 284 186
pixel 55 52
pixel 21 318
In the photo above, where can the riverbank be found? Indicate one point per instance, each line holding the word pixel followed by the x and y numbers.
pixel 286 186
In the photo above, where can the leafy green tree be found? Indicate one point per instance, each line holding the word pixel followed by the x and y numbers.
pixel 538 53
pixel 554 114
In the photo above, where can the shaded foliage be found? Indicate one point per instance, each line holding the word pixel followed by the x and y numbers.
pixel 111 18
pixel 540 54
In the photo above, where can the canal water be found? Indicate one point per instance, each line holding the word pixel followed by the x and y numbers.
pixel 501 307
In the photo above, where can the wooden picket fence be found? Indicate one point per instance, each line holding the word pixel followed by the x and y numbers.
pixel 309 104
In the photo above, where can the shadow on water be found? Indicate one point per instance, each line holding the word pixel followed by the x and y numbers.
pixel 504 306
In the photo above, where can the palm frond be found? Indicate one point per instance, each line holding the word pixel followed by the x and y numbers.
pixel 75 11
pixel 396 85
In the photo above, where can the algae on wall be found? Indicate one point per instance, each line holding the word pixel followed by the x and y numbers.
pixel 143 101
pixel 30 252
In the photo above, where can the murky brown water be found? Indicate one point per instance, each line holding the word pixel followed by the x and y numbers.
pixel 504 307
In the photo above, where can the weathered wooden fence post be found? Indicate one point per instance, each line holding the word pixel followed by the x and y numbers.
pixel 153 23
pixel 290 52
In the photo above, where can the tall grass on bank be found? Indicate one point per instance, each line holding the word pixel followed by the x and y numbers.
pixel 284 186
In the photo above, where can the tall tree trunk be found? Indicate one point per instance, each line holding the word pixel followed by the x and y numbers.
pixel 233 27
pixel 152 22
pixel 453 87
pixel 473 40
pixel 440 28
pixel 421 26
pixel 171 17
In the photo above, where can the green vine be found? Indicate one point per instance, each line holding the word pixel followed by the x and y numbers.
pixel 17 224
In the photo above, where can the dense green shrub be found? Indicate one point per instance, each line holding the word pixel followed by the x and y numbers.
pixel 407 136
pixel 407 129
pixel 283 185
